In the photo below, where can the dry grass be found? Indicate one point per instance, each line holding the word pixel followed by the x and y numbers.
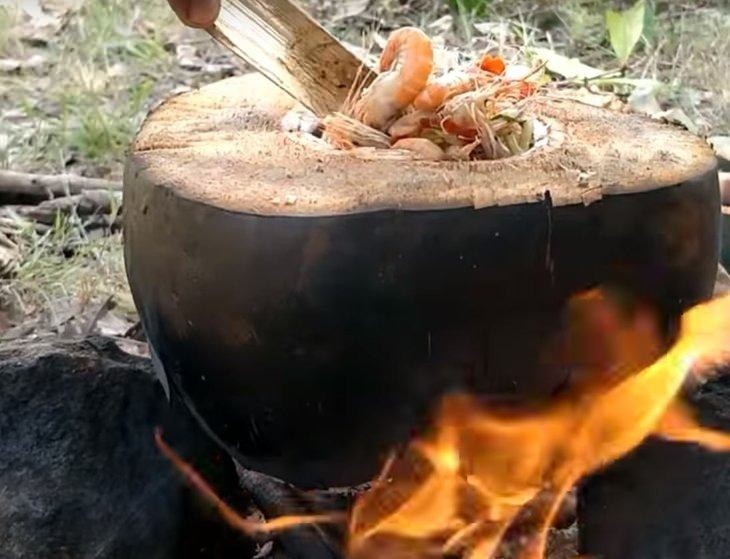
pixel 78 108
pixel 76 111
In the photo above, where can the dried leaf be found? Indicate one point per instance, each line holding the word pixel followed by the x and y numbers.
pixel 133 347
pixel 10 65
pixel 643 100
pixel 34 9
pixel 721 145
pixel 442 25
pixel 568 68
pixel 603 100
pixel 678 116
pixel 349 8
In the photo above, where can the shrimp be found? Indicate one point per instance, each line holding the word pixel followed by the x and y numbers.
pixel 443 88
pixel 421 147
pixel 345 132
pixel 412 124
pixel 406 65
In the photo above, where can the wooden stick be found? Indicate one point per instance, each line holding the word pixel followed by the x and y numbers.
pixel 87 203
pixel 287 46
pixel 12 182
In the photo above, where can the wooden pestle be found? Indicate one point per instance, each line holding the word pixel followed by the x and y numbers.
pixel 290 48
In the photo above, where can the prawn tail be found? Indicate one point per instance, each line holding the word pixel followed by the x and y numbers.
pixel 431 98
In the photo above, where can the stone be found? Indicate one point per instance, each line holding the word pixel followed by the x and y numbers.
pixel 665 500
pixel 80 476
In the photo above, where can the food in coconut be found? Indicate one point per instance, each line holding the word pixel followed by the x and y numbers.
pixel 472 112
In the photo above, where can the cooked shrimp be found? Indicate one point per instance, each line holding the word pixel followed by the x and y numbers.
pixel 443 88
pixel 345 132
pixel 406 65
pixel 412 124
pixel 422 147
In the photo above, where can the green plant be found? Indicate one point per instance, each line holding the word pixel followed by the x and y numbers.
pixel 470 7
pixel 625 29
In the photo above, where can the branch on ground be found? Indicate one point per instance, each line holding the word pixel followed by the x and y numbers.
pixel 49 186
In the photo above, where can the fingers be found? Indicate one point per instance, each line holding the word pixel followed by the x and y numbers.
pixel 196 13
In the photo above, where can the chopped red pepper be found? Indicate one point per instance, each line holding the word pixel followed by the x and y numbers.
pixel 450 127
pixel 527 89
pixel 492 64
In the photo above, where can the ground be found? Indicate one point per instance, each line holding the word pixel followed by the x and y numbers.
pixel 77 78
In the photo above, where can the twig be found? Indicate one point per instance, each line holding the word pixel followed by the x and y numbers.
pixel 90 202
pixel 107 305
pixel 228 514
pixel 12 182
pixel 608 75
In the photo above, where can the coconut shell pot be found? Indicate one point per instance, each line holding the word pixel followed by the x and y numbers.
pixel 311 306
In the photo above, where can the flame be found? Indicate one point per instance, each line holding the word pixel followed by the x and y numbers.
pixel 484 469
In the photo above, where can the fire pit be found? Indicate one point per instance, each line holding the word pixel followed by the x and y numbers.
pixel 312 307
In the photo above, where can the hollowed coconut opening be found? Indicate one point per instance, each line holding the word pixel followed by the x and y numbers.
pixel 354 140
pixel 223 145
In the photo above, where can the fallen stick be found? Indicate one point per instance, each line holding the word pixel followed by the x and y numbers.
pixel 88 203
pixel 11 224
pixel 12 182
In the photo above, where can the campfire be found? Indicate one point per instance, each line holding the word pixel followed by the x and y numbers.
pixel 490 478
pixel 353 353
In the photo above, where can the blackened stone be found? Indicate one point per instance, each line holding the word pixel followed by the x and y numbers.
pixel 665 500
pixel 80 476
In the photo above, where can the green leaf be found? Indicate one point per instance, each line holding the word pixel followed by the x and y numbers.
pixel 625 29
pixel 650 21
pixel 569 68
pixel 470 7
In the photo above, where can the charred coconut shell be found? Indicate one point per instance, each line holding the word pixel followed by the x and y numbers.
pixel 312 306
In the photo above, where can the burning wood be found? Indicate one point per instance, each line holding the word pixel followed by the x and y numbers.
pixel 484 470
pixel 461 488
pixel 475 112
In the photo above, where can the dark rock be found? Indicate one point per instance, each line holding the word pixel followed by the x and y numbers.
pixel 80 476
pixel 665 500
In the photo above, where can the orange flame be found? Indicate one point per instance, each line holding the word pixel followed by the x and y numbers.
pixel 458 490
pixel 484 469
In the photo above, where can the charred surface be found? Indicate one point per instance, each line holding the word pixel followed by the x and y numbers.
pixel 665 500
pixel 80 476
pixel 313 345
pixel 312 334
